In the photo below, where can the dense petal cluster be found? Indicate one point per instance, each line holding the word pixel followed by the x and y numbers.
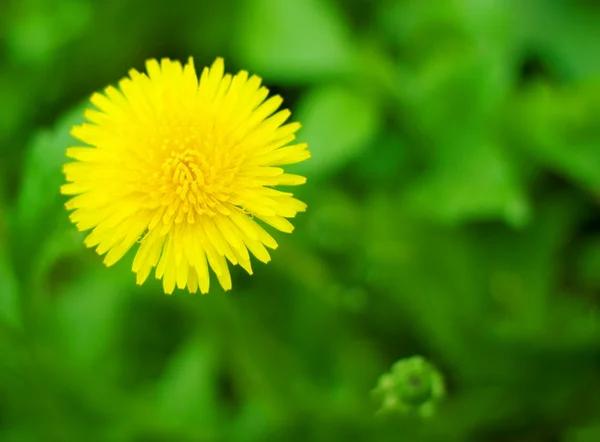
pixel 185 167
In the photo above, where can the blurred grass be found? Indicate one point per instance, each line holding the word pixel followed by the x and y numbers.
pixel 453 212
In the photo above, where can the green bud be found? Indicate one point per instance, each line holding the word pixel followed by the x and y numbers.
pixel 413 386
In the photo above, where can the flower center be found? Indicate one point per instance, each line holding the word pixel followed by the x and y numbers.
pixel 191 186
pixel 196 177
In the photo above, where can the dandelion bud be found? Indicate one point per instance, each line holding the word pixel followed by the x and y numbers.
pixel 412 386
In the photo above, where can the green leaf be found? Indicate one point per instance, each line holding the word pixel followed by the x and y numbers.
pixel 187 393
pixel 476 180
pixel 590 433
pixel 524 270
pixel 338 125
pixel 9 288
pixel 16 101
pixel 39 211
pixel 334 221
pixel 39 203
pixel 60 245
pixel 457 91
pixel 560 129
pixel 293 40
pixel 426 274
pixel 588 262
pixel 36 32
pixel 88 310
pixel 573 52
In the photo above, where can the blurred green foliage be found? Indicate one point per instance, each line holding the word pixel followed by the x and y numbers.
pixel 453 212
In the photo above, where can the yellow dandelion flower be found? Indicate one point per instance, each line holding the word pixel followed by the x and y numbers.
pixel 185 168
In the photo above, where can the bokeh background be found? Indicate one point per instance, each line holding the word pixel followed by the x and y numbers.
pixel 453 212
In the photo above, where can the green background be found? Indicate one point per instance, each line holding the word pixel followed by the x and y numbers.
pixel 453 212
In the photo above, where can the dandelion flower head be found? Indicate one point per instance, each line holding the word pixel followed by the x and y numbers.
pixel 186 167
